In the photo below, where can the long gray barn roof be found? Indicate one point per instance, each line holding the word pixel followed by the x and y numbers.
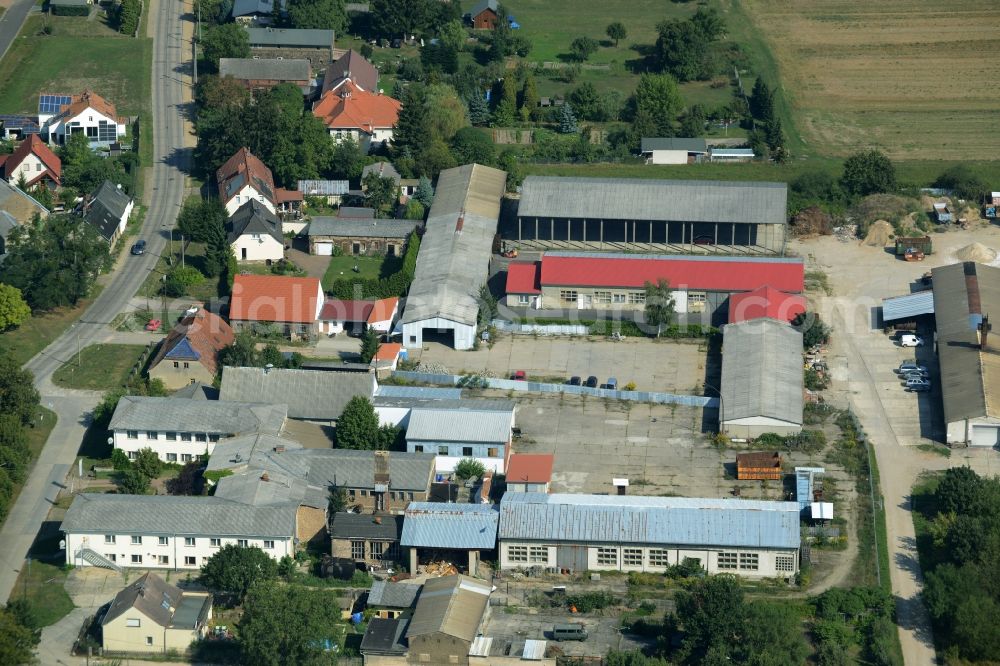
pixel 454 262
pixel 291 37
pixel 272 69
pixel 649 520
pixel 309 394
pixel 460 526
pixel 963 293
pixel 170 515
pixel 189 415
pixel 667 200
pixel 762 371
pixel 360 228
pixel 441 424
pixel 910 305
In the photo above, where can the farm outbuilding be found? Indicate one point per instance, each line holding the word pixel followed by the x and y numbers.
pixel 964 296
pixel 634 215
pixel 454 259
pixel 761 379
pixel 672 150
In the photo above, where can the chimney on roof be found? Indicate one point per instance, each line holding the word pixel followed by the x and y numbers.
pixel 460 223
pixel 381 468
pixel 265 477
pixel 280 448
pixel 984 330
pixel 378 520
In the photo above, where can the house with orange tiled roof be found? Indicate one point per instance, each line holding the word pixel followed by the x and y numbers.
pixel 33 161
pixel 350 112
pixel 291 304
pixel 88 113
pixel 244 177
pixel 338 315
pixel 190 352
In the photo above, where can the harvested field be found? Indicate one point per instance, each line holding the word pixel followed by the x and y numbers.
pixel 908 76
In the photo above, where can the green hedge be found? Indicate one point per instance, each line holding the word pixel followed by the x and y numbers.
pixel 395 285
pixel 69 10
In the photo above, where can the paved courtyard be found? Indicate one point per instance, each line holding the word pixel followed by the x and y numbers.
pixel 653 365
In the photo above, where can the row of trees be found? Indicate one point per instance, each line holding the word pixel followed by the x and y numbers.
pixel 127 16
pixel 960 553
pixel 18 409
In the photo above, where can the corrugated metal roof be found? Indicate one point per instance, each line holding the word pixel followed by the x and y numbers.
pixel 667 200
pixel 534 650
pixel 673 143
pixel 309 394
pixel 323 187
pixel 481 646
pixel 461 526
pixel 454 259
pixel 182 515
pixel 431 423
pixel 451 605
pixel 224 417
pixel 761 371
pixel 963 293
pixel 392 595
pixel 649 520
pixel 423 392
pixel 905 307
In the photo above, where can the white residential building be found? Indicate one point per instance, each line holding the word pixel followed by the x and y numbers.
pixel 752 538
pixel 90 114
pixel 254 233
pixel 171 532
pixel 182 429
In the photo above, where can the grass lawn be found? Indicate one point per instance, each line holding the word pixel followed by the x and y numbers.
pixel 35 334
pixel 194 255
pixel 102 367
pixel 45 591
pixel 368 268
pixel 78 54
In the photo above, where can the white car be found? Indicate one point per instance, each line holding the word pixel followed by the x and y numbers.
pixel 911 341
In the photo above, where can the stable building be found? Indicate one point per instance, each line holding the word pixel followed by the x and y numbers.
pixel 965 295
pixel 634 215
pixel 454 259
pixel 762 379
pixel 700 286
pixel 576 533
pixel 673 150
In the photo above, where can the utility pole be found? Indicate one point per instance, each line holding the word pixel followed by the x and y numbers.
pixel 182 250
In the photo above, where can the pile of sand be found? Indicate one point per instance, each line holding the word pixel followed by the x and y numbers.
pixel 879 234
pixel 976 252
pixel 971 214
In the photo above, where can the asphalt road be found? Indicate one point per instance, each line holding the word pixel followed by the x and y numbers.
pixel 11 22
pixel 165 194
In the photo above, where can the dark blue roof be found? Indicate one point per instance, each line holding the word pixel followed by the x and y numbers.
pixel 183 350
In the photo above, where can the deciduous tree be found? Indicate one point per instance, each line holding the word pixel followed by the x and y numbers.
pixel 308 626
pixel 616 31
pixel 472 145
pixel 381 193
pixel 14 310
pixel 321 14
pixel 582 48
pixel 357 427
pixel 229 40
pixel 868 172
pixel 235 569
pixel 133 482
pixel 659 304
pixel 657 98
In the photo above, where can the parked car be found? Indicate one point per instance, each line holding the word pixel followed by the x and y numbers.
pixel 914 374
pixel 612 384
pixel 910 340
pixel 569 632
pixel 519 375
pixel 574 380
pixel 918 384
pixel 591 382
pixel 153 325
pixel 139 247
pixel 910 366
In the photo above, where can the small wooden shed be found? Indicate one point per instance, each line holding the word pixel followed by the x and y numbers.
pixel 758 466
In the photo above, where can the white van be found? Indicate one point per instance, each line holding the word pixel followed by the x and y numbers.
pixel 910 340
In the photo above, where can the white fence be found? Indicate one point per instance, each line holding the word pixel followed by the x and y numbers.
pixel 540 329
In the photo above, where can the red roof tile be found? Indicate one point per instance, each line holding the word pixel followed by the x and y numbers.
pixel 34 145
pixel 335 309
pixel 207 333
pixel 276 298
pixel 350 107
pixel 530 468
pixel 382 310
pixel 765 302
pixel 708 273
pixel 388 351
pixel 244 168
pixel 523 277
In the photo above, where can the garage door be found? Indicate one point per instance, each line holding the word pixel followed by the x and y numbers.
pixel 324 249
pixel 985 435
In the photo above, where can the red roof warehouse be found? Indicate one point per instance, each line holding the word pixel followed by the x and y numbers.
pixel 765 302
pixel 604 281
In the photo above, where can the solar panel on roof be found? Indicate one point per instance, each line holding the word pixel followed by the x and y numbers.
pixel 26 123
pixel 52 104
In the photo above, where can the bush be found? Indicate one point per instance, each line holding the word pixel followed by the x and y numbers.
pixel 62 10
pixel 179 279
pixel 469 468
pixel 120 461
pixel 814 380
pixel 591 601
